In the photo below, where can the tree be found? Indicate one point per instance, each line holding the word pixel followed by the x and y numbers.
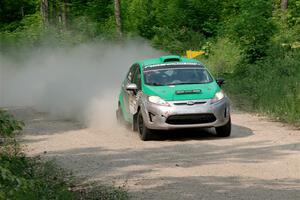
pixel 284 5
pixel 253 28
pixel 45 12
pixel 65 14
pixel 118 18
pixel 54 12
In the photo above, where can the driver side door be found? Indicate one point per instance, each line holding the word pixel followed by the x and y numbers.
pixel 134 96
pixel 128 95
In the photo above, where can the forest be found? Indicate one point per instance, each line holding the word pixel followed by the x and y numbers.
pixel 255 45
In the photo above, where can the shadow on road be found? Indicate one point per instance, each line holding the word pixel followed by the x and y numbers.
pixel 198 134
pixel 214 188
pixel 143 168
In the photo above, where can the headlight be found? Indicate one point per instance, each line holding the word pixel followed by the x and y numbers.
pixel 218 96
pixel 158 100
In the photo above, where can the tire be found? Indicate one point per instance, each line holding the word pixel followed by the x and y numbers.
pixel 143 131
pixel 224 131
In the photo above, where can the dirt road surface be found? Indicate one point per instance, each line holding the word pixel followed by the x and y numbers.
pixel 260 161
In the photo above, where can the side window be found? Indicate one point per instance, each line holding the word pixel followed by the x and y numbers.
pixel 137 78
pixel 131 72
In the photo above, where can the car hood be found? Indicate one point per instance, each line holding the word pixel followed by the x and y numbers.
pixel 183 92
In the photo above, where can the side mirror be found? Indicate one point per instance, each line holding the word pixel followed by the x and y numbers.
pixel 220 81
pixel 131 87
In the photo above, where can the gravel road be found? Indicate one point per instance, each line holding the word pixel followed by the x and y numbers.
pixel 260 161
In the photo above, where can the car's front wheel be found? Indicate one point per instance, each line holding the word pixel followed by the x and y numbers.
pixel 143 131
pixel 224 131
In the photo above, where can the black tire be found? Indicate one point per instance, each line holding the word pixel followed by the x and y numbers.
pixel 224 131
pixel 143 131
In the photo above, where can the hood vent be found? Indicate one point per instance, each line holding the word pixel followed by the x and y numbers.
pixel 166 59
pixel 172 60
pixel 188 92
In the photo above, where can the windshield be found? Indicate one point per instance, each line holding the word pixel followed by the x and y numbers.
pixel 176 76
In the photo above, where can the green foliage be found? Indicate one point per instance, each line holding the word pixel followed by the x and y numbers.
pixel 173 25
pixel 253 28
pixel 26 178
pixel 253 43
pixel 271 85
pixel 87 20
pixel 293 14
pixel 96 10
pixel 223 57
pixel 239 37
pixel 203 16
pixel 268 80
pixel 32 179
pixel 139 17
pixel 11 12
pixel 29 178
pixel 91 19
pixel 28 33
pixel 8 125
pixel 177 40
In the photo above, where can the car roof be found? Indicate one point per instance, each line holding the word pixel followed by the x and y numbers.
pixel 167 60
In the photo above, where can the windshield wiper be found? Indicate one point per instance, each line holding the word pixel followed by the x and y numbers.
pixel 156 84
pixel 184 83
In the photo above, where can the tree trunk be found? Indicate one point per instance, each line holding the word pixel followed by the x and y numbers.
pixel 118 18
pixel 65 15
pixel 22 9
pixel 60 14
pixel 45 12
pixel 284 5
pixel 54 17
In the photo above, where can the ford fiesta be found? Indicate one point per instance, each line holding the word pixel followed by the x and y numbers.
pixel 172 92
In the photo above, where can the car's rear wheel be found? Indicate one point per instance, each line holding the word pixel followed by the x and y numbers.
pixel 224 131
pixel 143 131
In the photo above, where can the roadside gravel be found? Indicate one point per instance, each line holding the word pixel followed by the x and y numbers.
pixel 260 160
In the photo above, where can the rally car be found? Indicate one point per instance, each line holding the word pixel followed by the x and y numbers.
pixel 173 92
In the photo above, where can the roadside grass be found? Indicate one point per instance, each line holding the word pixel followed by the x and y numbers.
pixel 270 86
pixel 31 178
pixel 223 56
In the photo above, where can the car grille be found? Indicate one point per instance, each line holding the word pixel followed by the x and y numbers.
pixel 186 103
pixel 191 119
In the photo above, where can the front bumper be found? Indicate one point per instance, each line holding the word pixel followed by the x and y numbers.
pixel 186 114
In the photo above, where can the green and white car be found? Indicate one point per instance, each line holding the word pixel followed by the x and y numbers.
pixel 173 92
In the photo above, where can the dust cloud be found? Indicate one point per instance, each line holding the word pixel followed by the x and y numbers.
pixel 79 83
